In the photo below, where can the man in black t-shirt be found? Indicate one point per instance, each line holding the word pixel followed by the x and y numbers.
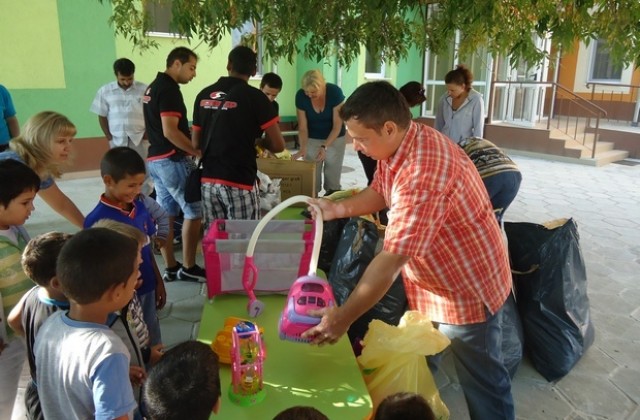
pixel 229 189
pixel 165 117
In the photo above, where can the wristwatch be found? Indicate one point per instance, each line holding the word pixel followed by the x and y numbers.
pixel 323 147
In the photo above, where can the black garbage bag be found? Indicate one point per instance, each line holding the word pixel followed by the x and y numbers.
pixel 551 292
pixel 355 251
pixel 331 233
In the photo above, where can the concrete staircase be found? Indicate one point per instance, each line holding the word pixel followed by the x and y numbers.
pixel 568 146
pixel 554 143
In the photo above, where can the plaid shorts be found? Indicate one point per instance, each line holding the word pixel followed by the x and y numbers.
pixel 225 202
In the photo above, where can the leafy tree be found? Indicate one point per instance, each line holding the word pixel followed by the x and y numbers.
pixel 327 28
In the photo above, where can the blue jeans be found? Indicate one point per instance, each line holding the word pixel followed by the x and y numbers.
pixel 170 178
pixel 502 189
pixel 480 365
pixel 150 315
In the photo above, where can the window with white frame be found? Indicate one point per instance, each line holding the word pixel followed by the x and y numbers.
pixel 160 16
pixel 249 34
pixel 374 66
pixel 602 66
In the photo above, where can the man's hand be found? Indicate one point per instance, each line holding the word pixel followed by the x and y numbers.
pixel 330 209
pixel 330 328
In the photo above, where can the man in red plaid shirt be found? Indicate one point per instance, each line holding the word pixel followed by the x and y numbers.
pixel 442 234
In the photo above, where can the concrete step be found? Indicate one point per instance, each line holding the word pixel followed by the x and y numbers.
pixel 604 158
pixel 605 152
pixel 553 142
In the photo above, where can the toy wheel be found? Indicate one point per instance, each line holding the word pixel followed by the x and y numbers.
pixel 255 308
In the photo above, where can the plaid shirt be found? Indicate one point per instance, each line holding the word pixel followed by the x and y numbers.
pixel 441 217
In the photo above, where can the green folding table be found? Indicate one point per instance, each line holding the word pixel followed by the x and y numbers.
pixel 326 378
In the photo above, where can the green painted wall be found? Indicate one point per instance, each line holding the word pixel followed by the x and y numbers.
pixel 212 64
pixel 87 51
pixel 411 69
pixel 79 55
pixel 64 52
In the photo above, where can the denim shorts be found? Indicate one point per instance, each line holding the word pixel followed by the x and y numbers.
pixel 170 178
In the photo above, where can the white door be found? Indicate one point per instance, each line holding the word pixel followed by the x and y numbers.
pixel 521 104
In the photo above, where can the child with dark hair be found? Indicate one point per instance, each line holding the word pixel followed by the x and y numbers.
pixel 184 384
pixel 414 93
pixel 82 365
pixel 129 323
pixel 39 303
pixel 123 173
pixel 300 413
pixel 18 187
pixel 404 406
pixel 271 85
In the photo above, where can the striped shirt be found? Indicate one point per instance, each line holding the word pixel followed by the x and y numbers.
pixel 441 217
pixel 488 158
pixel 13 281
pixel 123 110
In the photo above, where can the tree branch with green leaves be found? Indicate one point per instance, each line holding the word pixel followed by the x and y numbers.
pixel 323 29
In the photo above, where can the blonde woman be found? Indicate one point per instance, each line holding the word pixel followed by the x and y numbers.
pixel 45 146
pixel 320 129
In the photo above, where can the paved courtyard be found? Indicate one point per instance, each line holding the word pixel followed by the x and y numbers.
pixel 604 201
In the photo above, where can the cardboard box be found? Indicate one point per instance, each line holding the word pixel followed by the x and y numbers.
pixel 298 177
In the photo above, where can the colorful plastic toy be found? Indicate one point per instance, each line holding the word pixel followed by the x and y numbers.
pixel 247 356
pixel 221 345
pixel 250 272
pixel 307 293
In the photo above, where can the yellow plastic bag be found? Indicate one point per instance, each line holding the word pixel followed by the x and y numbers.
pixel 393 359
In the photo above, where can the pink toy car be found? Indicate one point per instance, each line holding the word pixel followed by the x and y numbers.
pixel 306 294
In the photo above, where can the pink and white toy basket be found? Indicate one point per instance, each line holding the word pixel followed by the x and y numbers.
pixel 282 254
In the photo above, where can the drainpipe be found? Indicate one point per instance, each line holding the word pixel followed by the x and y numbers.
pixel 556 72
pixel 634 123
pixel 491 88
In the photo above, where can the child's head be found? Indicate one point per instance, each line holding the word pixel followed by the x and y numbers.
pixel 123 172
pixel 129 231
pixel 184 384
pixel 414 93
pixel 300 413
pixel 18 187
pixel 40 255
pixel 404 406
pixel 271 85
pixel 99 263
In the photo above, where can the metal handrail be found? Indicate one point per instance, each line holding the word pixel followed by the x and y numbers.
pixel 593 110
pixel 622 85
pixel 634 93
